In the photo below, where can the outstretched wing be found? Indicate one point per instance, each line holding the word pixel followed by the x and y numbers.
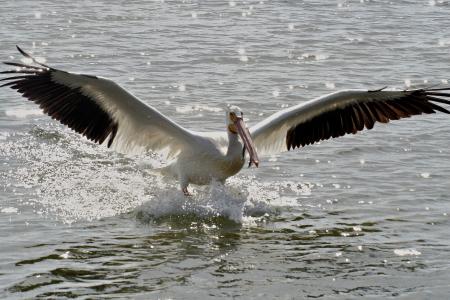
pixel 340 113
pixel 98 108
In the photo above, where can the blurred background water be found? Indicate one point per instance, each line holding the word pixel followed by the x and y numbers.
pixel 363 215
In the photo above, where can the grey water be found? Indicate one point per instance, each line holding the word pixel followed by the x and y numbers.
pixel 364 215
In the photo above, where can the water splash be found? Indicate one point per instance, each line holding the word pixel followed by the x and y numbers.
pixel 71 179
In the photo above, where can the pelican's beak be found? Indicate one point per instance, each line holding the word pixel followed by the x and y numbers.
pixel 248 142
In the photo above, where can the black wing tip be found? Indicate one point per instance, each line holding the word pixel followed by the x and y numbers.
pixel 378 90
pixel 113 133
pixel 27 55
pixel 23 52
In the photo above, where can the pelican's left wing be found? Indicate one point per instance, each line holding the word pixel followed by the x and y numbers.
pixel 340 113
pixel 99 109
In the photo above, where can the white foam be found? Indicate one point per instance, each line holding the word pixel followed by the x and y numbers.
pixel 4 136
pixel 9 210
pixel 238 200
pixel 195 108
pixel 26 60
pixel 408 83
pixel 65 255
pixel 23 113
pixel 425 175
pixel 444 42
pixel 330 85
pixel 355 38
pixel 182 87
pixel 407 252
pixel 204 204
pixel 357 228
pixel 243 58
pixel 313 56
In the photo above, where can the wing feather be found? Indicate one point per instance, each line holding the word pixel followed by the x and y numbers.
pixel 341 113
pixel 99 109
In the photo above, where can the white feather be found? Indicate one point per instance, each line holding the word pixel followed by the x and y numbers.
pixel 141 127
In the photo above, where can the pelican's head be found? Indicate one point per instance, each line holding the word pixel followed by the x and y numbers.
pixel 236 125
pixel 233 112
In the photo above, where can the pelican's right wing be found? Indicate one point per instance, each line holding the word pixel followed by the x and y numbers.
pixel 341 113
pixel 99 109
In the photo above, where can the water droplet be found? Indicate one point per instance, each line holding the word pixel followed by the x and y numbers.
pixel 408 83
pixel 243 58
pixel 330 85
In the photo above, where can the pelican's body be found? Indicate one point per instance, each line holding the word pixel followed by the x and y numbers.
pixel 107 114
pixel 210 162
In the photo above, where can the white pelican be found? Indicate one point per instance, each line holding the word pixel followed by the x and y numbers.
pixel 102 111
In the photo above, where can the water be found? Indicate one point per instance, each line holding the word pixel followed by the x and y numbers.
pixel 363 215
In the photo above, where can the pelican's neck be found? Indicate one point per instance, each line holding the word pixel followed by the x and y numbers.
pixel 234 144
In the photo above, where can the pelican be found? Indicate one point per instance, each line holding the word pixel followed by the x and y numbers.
pixel 105 113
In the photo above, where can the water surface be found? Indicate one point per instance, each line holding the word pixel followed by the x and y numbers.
pixel 363 215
